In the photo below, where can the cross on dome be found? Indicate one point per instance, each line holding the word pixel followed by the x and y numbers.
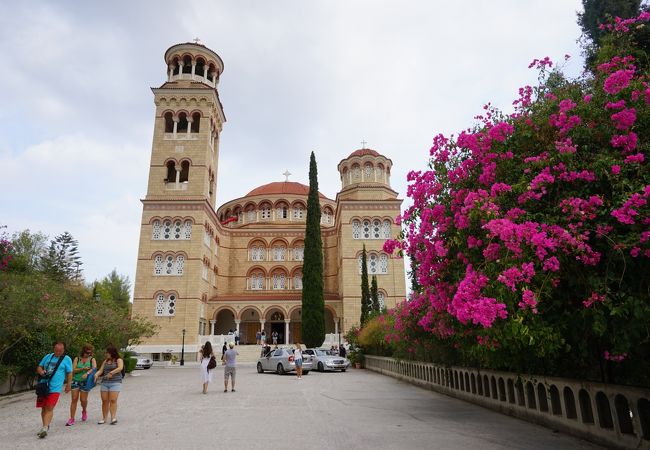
pixel 363 144
pixel 286 174
pixel 197 40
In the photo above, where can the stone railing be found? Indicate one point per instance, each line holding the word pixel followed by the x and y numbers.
pixel 617 416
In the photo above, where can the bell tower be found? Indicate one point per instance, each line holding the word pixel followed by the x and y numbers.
pixel 177 252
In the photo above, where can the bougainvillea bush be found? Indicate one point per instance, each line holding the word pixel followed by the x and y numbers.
pixel 530 234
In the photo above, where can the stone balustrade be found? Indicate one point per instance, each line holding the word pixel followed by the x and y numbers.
pixel 613 415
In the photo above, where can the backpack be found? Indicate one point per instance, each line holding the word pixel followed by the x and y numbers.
pixel 212 363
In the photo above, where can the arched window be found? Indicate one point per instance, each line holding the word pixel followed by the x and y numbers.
pixel 176 64
pixel 297 281
pixel 211 71
pixel 177 229
pixel 169 122
pixel 200 67
pixel 167 229
pixel 372 262
pixel 381 299
pixel 383 263
pixel 279 252
pixel 298 212
pixel 182 122
pixel 185 171
pixel 366 229
pixel 282 212
pixel 188 229
pixel 165 305
pixel 327 216
pixel 156 228
pixel 158 265
pixel 187 64
pixel 376 229
pixel 356 173
pixel 250 215
pixel 257 281
pixel 298 253
pixel 171 172
pixel 258 252
pixel 265 212
pixel 196 122
pixel 386 229
pixel 356 229
pixel 279 281
pixel 180 264
pixel 368 172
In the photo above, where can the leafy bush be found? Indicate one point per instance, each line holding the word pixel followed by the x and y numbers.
pixel 530 235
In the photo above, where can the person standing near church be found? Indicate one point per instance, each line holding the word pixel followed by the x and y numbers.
pixel 231 367
pixel 111 373
pixel 82 366
pixel 57 367
pixel 297 358
pixel 206 372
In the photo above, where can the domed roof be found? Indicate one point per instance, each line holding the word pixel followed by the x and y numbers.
pixel 364 152
pixel 282 187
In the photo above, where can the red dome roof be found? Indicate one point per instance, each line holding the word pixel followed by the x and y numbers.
pixel 364 152
pixel 282 187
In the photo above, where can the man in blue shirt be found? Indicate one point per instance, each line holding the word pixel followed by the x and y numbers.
pixel 62 374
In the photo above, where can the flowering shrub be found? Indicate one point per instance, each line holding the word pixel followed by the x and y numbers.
pixel 529 233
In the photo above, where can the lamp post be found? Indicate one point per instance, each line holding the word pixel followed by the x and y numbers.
pixel 339 334
pixel 183 349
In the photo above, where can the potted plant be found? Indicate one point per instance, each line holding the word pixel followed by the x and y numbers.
pixel 356 357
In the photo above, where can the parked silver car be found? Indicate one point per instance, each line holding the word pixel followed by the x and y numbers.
pixel 281 361
pixel 326 360
pixel 143 362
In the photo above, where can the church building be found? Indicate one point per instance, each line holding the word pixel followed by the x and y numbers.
pixel 203 271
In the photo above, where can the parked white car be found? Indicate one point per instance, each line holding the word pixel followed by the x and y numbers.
pixel 323 360
pixel 281 361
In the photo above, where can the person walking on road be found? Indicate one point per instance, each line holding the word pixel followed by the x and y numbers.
pixel 111 373
pixel 297 358
pixel 207 365
pixel 55 368
pixel 82 366
pixel 230 370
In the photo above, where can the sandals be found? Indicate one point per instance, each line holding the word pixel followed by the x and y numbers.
pixel 101 422
pixel 114 422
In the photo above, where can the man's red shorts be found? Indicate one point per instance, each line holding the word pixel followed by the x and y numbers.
pixel 50 400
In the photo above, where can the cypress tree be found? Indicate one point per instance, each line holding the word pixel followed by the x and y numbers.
pixel 313 303
pixel 365 289
pixel 374 296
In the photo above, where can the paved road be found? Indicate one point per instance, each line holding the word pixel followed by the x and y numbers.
pixel 359 409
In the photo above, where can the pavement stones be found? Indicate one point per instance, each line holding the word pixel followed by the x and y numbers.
pixel 358 409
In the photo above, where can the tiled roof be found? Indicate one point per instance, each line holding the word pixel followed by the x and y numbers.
pixel 282 187
pixel 363 152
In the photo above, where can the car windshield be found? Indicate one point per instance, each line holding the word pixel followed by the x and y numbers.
pixel 320 352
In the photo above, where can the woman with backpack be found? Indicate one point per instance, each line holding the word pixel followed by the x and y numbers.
pixel 82 366
pixel 111 373
pixel 208 362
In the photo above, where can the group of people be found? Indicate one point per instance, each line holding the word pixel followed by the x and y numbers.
pixel 261 338
pixel 228 359
pixel 79 376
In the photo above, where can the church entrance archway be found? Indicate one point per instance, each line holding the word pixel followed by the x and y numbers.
pixel 249 325
pixel 295 326
pixel 275 324
pixel 225 322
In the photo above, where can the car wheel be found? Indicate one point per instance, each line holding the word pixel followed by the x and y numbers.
pixel 342 370
pixel 321 367
pixel 280 370
pixel 259 368
pixel 147 368
pixel 306 372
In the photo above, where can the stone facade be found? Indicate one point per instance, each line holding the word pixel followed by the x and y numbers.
pixel 202 272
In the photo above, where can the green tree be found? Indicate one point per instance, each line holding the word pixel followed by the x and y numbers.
pixel 366 306
pixel 62 261
pixel 597 13
pixel 115 288
pixel 313 303
pixel 374 296
pixel 27 251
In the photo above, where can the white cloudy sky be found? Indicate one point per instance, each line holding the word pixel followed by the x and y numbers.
pixel 76 112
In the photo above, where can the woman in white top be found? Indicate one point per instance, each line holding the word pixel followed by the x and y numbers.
pixel 206 374
pixel 297 358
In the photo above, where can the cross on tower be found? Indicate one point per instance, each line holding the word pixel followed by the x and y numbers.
pixel 286 174
pixel 196 40
pixel 363 144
